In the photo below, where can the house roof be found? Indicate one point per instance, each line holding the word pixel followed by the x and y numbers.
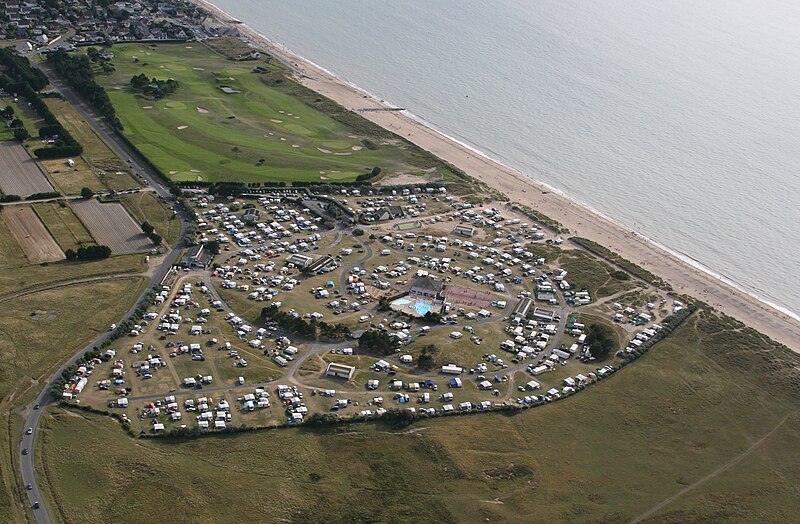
pixel 426 285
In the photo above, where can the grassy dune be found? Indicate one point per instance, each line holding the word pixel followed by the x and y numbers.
pixel 610 454
pixel 191 134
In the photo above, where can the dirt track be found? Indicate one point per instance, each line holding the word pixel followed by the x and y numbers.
pixel 34 239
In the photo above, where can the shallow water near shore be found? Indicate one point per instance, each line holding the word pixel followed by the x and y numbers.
pixel 680 120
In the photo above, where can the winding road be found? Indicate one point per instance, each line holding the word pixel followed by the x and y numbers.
pixel 31 413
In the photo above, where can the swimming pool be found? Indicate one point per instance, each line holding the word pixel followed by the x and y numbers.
pixel 419 306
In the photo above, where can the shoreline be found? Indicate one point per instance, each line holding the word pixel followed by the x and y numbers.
pixel 687 275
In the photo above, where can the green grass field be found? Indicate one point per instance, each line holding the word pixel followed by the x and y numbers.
pixel 67 229
pixel 146 206
pixel 677 416
pixel 98 168
pixel 191 134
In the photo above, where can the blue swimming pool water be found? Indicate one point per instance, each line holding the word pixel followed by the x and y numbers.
pixel 420 307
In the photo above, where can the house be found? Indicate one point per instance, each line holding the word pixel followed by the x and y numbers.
pixel 322 264
pixel 340 371
pixel 196 257
pixel 389 212
pixel 425 287
pixel 464 231
pixel 299 260
pixel 251 215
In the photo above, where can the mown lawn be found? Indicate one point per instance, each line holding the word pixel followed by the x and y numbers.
pixel 259 134
pixel 606 455
pixel 147 206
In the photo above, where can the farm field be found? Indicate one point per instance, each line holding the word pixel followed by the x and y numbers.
pixel 11 253
pixel 147 206
pixel 258 133
pixel 111 225
pixel 19 174
pixel 68 231
pixel 610 455
pixel 31 234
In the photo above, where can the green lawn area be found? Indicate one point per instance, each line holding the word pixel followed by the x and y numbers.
pixel 147 206
pixel 609 454
pixel 98 168
pixel 67 229
pixel 191 134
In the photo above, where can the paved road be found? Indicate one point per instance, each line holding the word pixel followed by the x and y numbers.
pixel 34 415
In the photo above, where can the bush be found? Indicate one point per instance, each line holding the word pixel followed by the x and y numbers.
pixel 88 253
pixel 86 193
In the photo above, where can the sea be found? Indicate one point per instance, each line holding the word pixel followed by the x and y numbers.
pixel 679 119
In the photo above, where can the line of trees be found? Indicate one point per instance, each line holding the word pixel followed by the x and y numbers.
pixel 88 253
pixel 24 80
pixel 377 341
pixel 76 70
pixel 310 329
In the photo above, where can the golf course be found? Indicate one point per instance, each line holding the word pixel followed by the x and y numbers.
pixel 241 121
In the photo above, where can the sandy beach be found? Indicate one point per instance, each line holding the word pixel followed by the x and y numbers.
pixel 581 221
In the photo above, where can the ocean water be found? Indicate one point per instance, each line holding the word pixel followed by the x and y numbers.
pixel 677 118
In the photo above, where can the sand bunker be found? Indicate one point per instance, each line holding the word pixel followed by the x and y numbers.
pixel 343 154
pixel 147 107
pixel 194 170
pixel 201 110
pixel 327 152
pixel 173 172
pixel 296 117
pixel 198 69
pixel 281 112
pixel 295 145
pixel 188 47
pixel 356 148
pixel 276 120
pixel 283 139
pixel 324 178
pixel 182 127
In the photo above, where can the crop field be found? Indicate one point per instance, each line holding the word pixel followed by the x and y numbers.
pixel 257 133
pixel 610 454
pixel 68 231
pixel 147 206
pixel 19 174
pixel 11 253
pixel 37 243
pixel 111 225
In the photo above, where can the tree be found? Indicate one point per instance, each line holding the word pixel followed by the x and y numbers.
pixel 147 228
pixel 213 247
pixel 71 255
pixel 377 341
pixel 235 150
pixel 357 232
pixel 601 340
pixel 155 238
pixel 86 193
pixel 21 134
